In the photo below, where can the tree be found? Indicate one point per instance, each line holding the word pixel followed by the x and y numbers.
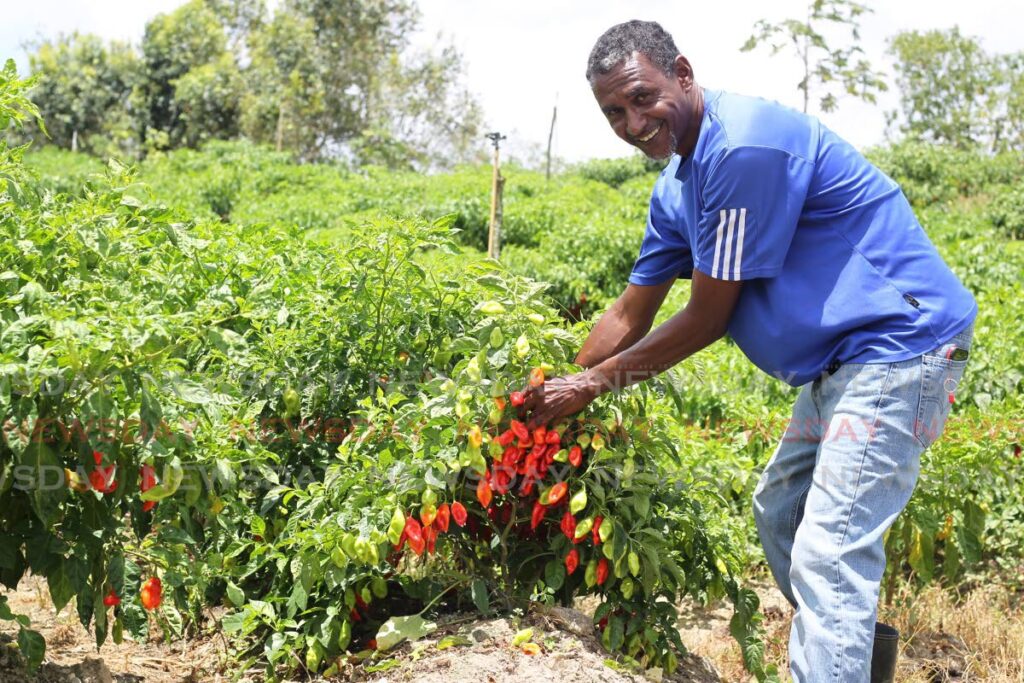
pixel 175 43
pixel 824 66
pixel 1009 133
pixel 335 78
pixel 208 99
pixel 83 92
pixel 953 92
pixel 284 103
pixel 419 115
pixel 351 41
pixel 321 78
pixel 240 19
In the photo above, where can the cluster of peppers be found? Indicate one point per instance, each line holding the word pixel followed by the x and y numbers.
pixel 521 459
pixel 421 534
pixel 151 594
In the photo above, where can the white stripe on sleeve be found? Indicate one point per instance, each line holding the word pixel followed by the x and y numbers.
pixel 739 244
pixel 718 243
pixel 728 244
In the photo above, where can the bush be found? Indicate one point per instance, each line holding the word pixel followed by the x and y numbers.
pixel 931 173
pixel 1007 210
pixel 295 411
pixel 615 172
pixel 586 268
pixel 61 171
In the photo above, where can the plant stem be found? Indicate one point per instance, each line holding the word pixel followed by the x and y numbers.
pixel 438 596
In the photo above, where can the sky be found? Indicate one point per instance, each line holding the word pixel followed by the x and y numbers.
pixel 523 57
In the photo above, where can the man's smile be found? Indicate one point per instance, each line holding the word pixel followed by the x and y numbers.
pixel 650 136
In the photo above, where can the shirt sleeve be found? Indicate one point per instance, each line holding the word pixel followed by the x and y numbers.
pixel 665 252
pixel 752 200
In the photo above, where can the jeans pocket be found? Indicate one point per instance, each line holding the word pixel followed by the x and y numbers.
pixel 940 376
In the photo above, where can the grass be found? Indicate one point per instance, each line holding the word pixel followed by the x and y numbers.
pixel 977 636
pixel 945 635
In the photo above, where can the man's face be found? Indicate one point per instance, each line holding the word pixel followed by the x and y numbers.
pixel 648 109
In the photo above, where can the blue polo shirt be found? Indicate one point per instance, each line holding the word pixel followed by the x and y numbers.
pixel 834 263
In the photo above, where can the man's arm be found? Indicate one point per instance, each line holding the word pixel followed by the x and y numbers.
pixel 624 323
pixel 703 321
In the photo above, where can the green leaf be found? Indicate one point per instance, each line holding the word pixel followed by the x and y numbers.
pixel 478 591
pixel 45 478
pixel 523 636
pixel 32 646
pixel 115 572
pixel 232 623
pixel 5 609
pixel 384 665
pixel 170 479
pixel 85 602
pixel 235 595
pixel 951 564
pixel 172 620
pixel 398 629
pixel 642 505
pixel 100 623
pixel 453 641
pixel 192 485
pixel 298 599
pixel 150 414
pixel 61 591
pixel 8 547
pixel 554 574
pixel 275 647
pixel 615 633
pixel 135 619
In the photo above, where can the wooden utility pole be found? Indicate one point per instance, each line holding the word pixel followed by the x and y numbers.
pixel 279 134
pixel 494 233
pixel 551 134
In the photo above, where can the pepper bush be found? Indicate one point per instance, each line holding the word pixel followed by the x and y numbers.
pixel 199 413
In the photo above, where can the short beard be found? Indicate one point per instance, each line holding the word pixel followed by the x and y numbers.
pixel 673 144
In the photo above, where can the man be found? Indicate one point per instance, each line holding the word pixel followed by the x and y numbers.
pixel 813 262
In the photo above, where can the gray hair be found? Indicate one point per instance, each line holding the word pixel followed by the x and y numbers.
pixel 622 41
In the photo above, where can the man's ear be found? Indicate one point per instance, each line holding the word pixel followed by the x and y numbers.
pixel 684 73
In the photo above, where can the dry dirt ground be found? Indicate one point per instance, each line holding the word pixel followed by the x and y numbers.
pixel 978 637
pixel 72 657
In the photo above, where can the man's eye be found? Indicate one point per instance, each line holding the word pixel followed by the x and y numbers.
pixel 642 98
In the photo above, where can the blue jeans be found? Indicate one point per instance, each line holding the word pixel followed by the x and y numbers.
pixel 845 469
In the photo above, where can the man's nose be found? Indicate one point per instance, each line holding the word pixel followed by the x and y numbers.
pixel 635 123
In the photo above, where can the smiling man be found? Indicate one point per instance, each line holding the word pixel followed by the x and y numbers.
pixel 813 262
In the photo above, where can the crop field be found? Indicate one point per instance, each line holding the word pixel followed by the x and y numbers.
pixel 266 411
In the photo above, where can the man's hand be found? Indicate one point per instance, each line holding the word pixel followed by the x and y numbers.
pixel 559 397
pixel 703 321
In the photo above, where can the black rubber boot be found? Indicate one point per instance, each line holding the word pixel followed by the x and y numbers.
pixel 883 656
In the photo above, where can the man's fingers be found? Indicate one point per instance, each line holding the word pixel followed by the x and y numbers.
pixel 534 397
pixel 538 420
pixel 534 403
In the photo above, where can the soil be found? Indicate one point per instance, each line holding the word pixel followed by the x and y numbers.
pixel 569 650
pixel 72 655
pixel 570 653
